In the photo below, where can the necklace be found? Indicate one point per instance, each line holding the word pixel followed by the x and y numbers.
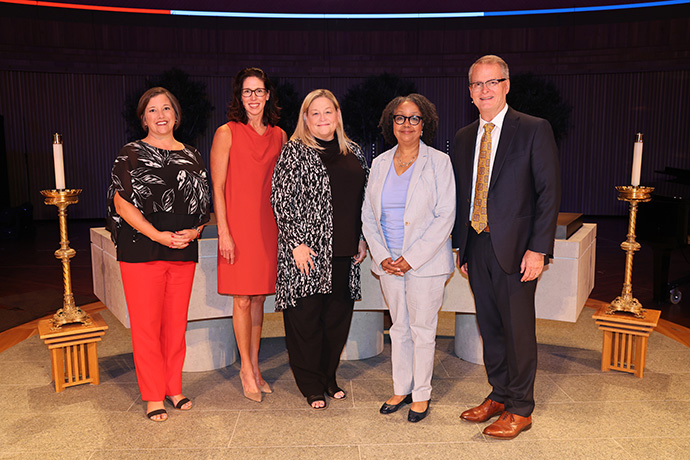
pixel 405 165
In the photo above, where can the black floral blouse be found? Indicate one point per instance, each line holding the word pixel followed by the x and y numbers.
pixel 169 187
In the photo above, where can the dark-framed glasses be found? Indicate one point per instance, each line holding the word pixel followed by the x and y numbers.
pixel 490 84
pixel 400 119
pixel 260 92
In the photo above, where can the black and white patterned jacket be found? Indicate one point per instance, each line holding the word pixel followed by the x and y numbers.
pixel 302 204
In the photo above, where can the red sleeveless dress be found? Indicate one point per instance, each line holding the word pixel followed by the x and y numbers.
pixel 249 213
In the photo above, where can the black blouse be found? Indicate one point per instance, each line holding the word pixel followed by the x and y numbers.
pixel 169 187
pixel 347 180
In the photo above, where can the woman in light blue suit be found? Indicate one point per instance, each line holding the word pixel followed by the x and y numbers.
pixel 407 216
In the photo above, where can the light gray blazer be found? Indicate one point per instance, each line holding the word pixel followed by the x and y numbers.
pixel 429 213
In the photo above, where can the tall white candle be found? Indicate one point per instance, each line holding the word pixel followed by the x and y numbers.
pixel 637 161
pixel 58 162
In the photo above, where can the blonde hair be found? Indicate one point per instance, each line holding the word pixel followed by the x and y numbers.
pixel 302 132
pixel 490 59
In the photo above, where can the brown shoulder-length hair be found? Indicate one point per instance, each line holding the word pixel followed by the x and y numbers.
pixel 236 110
pixel 302 132
pixel 150 94
pixel 429 118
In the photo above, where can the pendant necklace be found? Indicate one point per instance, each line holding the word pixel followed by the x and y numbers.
pixel 405 165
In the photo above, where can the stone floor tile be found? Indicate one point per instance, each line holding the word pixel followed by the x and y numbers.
pixel 556 449
pixel 170 453
pixel 26 399
pixel 348 452
pixel 349 426
pixel 668 361
pixel 622 386
pixel 556 359
pixel 609 419
pixel 126 430
pixel 27 372
pixel 417 451
pixel 656 448
pixel 48 454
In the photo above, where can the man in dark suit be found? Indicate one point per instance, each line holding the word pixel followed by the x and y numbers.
pixel 508 195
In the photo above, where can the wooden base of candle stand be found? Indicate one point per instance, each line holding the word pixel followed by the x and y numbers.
pixel 73 353
pixel 625 339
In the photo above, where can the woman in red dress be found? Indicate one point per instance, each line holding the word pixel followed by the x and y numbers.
pixel 243 155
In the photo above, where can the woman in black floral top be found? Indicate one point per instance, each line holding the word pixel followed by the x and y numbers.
pixel 158 201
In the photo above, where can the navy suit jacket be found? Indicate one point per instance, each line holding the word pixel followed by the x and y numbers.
pixel 524 190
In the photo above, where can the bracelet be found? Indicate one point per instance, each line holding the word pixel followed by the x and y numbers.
pixel 198 232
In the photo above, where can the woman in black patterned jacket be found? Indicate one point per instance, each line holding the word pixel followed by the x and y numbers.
pixel 317 191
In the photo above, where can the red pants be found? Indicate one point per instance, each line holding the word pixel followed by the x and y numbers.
pixel 157 295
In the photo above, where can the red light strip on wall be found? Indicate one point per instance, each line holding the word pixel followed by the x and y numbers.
pixel 75 6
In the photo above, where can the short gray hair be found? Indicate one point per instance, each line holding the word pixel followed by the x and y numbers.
pixel 490 59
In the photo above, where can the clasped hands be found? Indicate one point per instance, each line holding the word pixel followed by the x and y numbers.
pixel 397 267
pixel 179 239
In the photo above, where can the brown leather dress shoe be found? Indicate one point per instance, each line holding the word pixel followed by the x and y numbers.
pixel 508 426
pixel 483 412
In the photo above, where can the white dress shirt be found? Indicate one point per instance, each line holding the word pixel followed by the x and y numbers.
pixel 495 137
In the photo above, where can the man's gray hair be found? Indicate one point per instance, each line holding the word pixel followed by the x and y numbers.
pixel 490 59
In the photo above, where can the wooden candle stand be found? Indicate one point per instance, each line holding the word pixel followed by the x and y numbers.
pixel 625 339
pixel 73 353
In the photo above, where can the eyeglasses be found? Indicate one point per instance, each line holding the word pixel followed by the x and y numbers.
pixel 400 119
pixel 260 92
pixel 490 84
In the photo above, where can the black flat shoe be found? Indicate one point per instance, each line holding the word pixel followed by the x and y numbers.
pixel 415 417
pixel 390 408
pixel 331 392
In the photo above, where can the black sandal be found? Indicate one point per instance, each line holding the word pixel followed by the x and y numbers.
pixel 314 398
pixel 332 390
pixel 179 404
pixel 153 413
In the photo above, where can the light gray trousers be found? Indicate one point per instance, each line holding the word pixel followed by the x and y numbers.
pixel 414 303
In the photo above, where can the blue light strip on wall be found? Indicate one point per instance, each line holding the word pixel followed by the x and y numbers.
pixel 584 9
pixel 229 14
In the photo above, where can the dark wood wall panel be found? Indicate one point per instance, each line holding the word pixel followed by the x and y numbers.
pixel 70 72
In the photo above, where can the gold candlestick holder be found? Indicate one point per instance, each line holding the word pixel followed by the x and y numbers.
pixel 626 302
pixel 69 313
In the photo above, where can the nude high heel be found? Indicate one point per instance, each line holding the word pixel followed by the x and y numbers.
pixel 265 388
pixel 254 396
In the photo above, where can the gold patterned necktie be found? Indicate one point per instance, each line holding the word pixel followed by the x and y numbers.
pixel 481 189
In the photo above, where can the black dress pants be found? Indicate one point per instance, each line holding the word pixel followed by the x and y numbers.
pixel 506 319
pixel 316 330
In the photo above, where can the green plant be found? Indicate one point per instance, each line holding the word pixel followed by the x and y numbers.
pixel 363 104
pixel 535 96
pixel 196 108
pixel 289 102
